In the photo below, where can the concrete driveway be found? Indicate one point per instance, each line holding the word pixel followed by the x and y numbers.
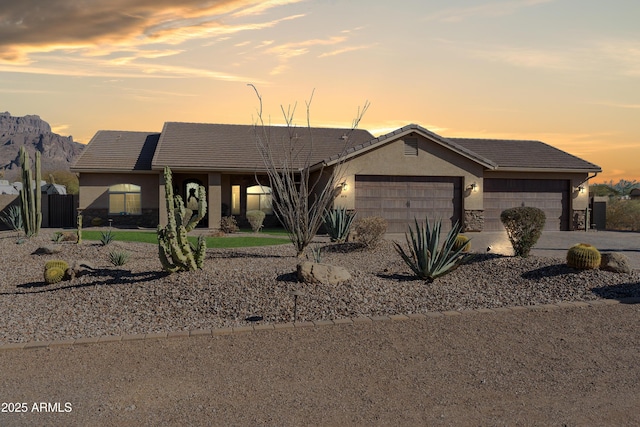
pixel 555 243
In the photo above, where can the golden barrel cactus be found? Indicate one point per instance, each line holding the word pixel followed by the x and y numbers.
pixel 462 241
pixel 583 256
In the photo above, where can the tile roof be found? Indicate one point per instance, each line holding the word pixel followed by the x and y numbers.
pixel 525 155
pixel 118 151
pixel 371 144
pixel 224 147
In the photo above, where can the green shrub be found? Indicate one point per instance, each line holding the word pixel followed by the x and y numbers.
pixel 426 258
pixel 228 224
pixel 583 256
pixel 369 231
pixel 107 237
pixel 338 223
pixel 255 218
pixel 96 221
pixel 118 258
pixel 524 227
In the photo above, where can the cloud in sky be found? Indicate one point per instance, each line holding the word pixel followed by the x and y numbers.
pixel 32 26
pixel 459 14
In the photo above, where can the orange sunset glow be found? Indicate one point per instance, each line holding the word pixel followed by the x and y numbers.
pixel 565 72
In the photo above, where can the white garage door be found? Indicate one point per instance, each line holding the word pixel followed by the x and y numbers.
pixel 552 196
pixel 400 199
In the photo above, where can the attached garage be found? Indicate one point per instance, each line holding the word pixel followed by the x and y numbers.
pixel 400 199
pixel 550 195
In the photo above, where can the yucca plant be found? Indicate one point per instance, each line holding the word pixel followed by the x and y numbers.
pixel 106 237
pixel 338 223
pixel 119 258
pixel 426 258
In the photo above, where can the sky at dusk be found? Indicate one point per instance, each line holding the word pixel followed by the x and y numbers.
pixel 566 72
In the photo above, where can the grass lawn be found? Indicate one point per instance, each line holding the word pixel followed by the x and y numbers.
pixel 212 242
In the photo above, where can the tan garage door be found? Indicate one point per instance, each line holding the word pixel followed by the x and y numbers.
pixel 400 199
pixel 552 196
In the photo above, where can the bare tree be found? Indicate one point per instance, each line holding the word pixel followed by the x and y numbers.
pixel 301 190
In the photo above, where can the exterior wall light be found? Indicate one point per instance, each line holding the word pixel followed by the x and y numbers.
pixel 579 189
pixel 344 186
pixel 473 187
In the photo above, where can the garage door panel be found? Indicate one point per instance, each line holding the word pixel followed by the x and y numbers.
pixel 551 196
pixel 400 199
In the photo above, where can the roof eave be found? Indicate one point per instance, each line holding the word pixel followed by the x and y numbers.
pixel 561 170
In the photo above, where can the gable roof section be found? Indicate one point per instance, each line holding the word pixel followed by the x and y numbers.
pixel 223 147
pixel 517 155
pixel 113 151
pixel 409 129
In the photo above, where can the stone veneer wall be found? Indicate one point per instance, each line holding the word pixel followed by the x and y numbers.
pixel 579 219
pixel 473 220
pixel 148 219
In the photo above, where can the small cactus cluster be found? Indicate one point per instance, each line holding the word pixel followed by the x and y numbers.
pixel 55 271
pixel 583 256
pixel 462 241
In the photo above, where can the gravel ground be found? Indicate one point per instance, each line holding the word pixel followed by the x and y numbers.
pixel 237 284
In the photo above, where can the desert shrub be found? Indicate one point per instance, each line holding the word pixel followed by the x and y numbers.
pixel 64 236
pixel 255 219
pixel 107 237
pixel 426 257
pixel 524 227
pixel 369 231
pixel 338 222
pixel 623 215
pixel 316 254
pixel 228 224
pixel 13 218
pixel 119 258
pixel 96 221
pixel 583 256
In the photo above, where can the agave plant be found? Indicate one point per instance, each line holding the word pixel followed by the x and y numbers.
pixel 13 218
pixel 106 237
pixel 338 223
pixel 426 258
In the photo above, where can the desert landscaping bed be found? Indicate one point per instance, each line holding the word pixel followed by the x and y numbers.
pixel 236 285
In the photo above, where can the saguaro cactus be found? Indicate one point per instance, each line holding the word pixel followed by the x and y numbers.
pixel 30 198
pixel 174 249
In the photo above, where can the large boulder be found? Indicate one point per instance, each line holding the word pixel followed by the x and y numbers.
pixel 313 272
pixel 616 262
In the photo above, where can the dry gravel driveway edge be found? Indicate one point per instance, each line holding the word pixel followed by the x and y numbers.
pixel 570 366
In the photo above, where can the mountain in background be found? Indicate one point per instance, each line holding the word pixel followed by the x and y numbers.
pixel 57 152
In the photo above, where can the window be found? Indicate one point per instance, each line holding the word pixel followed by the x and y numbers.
pixel 235 200
pixel 411 146
pixel 259 199
pixel 124 199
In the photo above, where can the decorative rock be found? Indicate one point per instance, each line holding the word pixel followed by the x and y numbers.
pixel 46 250
pixel 79 268
pixel 313 272
pixel 616 262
